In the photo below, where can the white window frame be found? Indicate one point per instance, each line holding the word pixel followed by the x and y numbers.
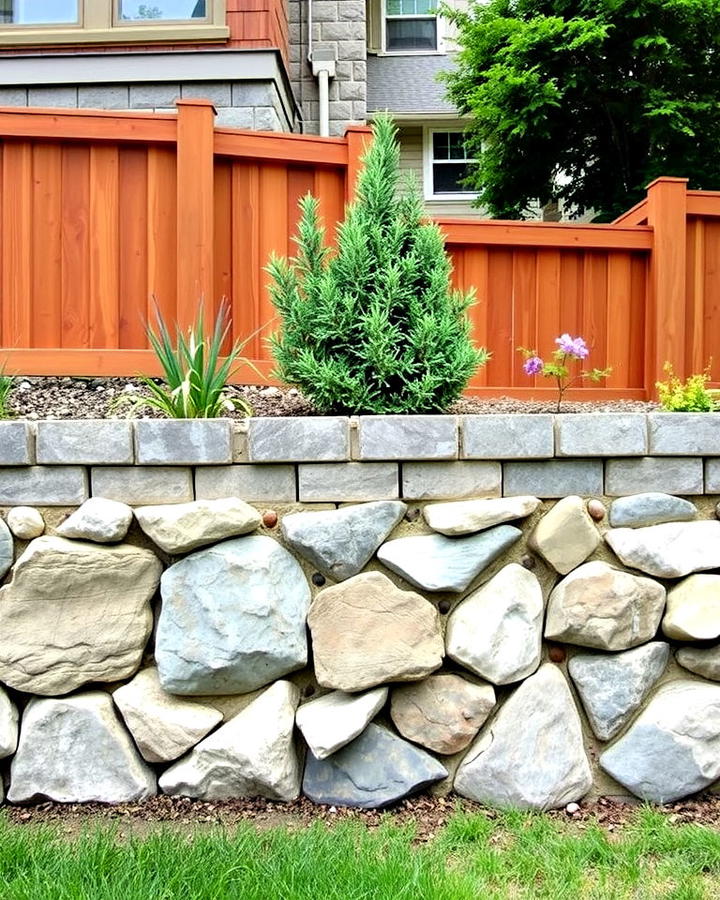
pixel 429 161
pixel 440 48
pixel 100 24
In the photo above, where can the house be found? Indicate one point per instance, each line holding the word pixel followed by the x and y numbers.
pixel 313 66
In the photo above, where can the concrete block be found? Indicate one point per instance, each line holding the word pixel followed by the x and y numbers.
pixel 13 96
pixel 653 473
pixel 43 486
pixel 53 96
pixel 236 117
pixel 153 96
pixel 712 476
pixel 93 442
pixel 684 434
pixel 352 90
pixel 451 480
pixel 266 119
pixel 359 110
pixel 343 482
pixel 219 93
pixel 507 436
pixel 407 437
pixel 253 93
pixel 352 10
pixel 183 442
pixel 143 486
pixel 353 50
pixel 326 10
pixel 271 483
pixel 16 444
pixel 359 71
pixel 611 434
pixel 103 96
pixel 553 478
pixel 343 31
pixel 288 439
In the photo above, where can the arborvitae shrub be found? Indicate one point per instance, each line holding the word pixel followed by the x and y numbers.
pixel 374 327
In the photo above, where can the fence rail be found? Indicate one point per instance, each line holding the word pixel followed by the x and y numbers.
pixel 104 214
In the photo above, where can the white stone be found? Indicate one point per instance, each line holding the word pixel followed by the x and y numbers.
pixel 182 527
pixel 6 549
pixel 8 725
pixel 566 535
pixel 332 721
pixel 100 520
pixel 693 609
pixel 468 516
pixel 497 631
pixel 670 550
pixel 252 755
pixel 25 522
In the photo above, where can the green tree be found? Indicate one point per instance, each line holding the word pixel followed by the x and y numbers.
pixel 587 101
pixel 375 326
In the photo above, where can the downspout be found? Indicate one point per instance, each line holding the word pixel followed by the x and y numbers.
pixel 323 68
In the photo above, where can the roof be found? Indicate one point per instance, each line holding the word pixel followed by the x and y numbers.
pixel 407 84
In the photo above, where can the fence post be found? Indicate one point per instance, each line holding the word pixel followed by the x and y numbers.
pixel 357 137
pixel 195 208
pixel 666 325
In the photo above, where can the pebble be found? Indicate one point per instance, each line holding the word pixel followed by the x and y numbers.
pixel 596 509
pixel 572 808
pixel 24 386
pixel 270 518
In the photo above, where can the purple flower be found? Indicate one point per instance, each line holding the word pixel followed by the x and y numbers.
pixel 533 365
pixel 572 346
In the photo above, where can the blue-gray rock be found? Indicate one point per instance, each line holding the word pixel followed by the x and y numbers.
pixel 531 754
pixel 232 618
pixel 6 549
pixel 376 769
pixel 703 661
pixel 673 747
pixel 339 542
pixel 670 550
pixel 434 562
pixel 641 510
pixel 613 686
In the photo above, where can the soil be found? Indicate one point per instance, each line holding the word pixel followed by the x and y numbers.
pixel 104 398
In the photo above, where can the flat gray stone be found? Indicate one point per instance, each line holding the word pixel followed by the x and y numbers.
pixel 496 632
pixel 6 549
pixel 451 480
pixel 142 485
pixel 553 478
pixel 85 442
pixel 434 562
pixel 15 444
pixel 8 725
pixel 531 755
pixel 43 486
pixel 684 434
pixel 670 550
pixel 407 437
pixel 183 442
pixel 508 436
pixel 693 609
pixel 340 542
pixel 296 439
pixel 181 527
pixel 653 508
pixel 99 520
pixel 254 483
pixel 232 618
pixel 669 474
pixel 75 750
pixel 350 482
pixel 591 434
pixel 252 755
pixel 25 522
pixel 703 661
pixel 613 686
pixel 376 769
pixel 469 516
pixel 672 749
pixel 332 721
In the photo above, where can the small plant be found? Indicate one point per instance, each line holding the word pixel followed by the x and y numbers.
pixel 568 349
pixel 691 395
pixel 374 327
pixel 6 386
pixel 195 373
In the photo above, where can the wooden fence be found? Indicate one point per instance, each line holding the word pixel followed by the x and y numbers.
pixel 102 212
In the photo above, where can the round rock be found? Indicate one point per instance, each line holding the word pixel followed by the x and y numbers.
pixel 181 527
pixel 703 661
pixel 25 522
pixel 100 520
pixel 693 609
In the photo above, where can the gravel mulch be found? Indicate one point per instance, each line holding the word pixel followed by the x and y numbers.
pixel 104 398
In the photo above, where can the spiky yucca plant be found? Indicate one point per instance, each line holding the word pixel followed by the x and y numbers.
pixel 374 327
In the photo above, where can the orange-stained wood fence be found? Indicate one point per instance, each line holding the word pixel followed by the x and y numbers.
pixel 103 214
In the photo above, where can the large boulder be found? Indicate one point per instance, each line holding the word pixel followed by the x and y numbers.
pixel 251 755
pixel 75 613
pixel 332 721
pixel 566 535
pixel 339 542
pixel 670 550
pixel 6 549
pixel 232 618
pixel 163 726
pixel 603 607
pixel 531 754
pixel 365 631
pixel 181 527
pixel 497 631
pixel 443 713
pixel 469 516
pixel 8 725
pixel 693 609
pixel 672 749
pixel 434 562
pixel 703 661
pixel 75 750
pixel 613 686
pixel 99 520
pixel 652 508
pixel 376 769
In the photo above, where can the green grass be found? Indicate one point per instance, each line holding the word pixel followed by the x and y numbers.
pixel 472 858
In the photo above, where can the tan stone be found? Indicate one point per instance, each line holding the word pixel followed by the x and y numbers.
pixel 442 713
pixel 182 527
pixel 566 535
pixel 468 516
pixel 75 613
pixel 366 631
pixel 693 609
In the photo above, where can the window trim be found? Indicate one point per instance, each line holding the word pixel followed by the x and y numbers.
pixel 429 160
pixel 98 25
pixel 440 48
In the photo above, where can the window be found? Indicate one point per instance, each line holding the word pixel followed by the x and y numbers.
pixel 39 12
pixel 411 26
pixel 446 164
pixel 162 10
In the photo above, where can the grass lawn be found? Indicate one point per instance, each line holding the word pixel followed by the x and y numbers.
pixel 472 858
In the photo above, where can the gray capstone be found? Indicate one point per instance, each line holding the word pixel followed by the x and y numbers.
pixel 434 562
pixel 340 542
pixel 232 618
pixel 613 686
pixel 672 749
pixel 653 508
pixel 703 661
pixel 531 754
pixel 6 549
pixel 376 769
pixel 670 550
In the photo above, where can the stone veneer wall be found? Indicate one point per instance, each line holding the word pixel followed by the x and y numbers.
pixel 520 652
